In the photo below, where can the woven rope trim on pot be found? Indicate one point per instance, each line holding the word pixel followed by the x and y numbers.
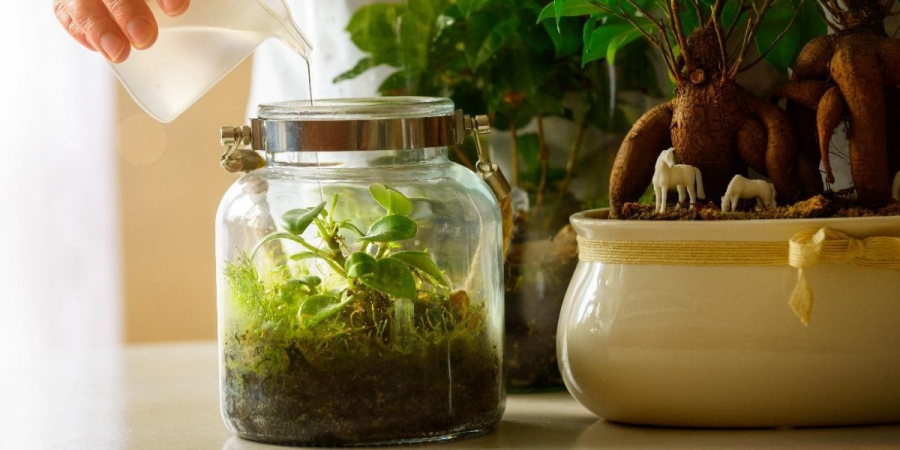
pixel 805 249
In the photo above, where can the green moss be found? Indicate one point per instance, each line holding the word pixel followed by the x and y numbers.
pixel 269 314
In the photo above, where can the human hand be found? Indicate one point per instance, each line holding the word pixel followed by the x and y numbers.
pixel 112 27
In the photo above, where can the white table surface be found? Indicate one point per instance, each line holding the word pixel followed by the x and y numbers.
pixel 166 397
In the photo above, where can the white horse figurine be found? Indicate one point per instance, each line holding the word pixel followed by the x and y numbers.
pixel 743 188
pixel 669 175
pixel 896 190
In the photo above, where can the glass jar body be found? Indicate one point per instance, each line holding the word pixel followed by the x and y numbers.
pixel 314 353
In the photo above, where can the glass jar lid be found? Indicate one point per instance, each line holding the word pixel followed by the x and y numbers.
pixel 386 123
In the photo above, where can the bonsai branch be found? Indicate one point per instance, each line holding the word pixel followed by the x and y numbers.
pixel 714 18
pixel 678 29
pixel 752 28
pixel 742 9
pixel 827 18
pixel 662 43
pixel 778 39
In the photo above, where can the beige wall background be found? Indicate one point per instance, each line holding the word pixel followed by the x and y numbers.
pixel 171 184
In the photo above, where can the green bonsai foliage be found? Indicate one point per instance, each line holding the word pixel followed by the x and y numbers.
pixel 374 297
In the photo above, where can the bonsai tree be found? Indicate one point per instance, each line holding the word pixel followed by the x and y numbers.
pixel 713 123
pixel 852 76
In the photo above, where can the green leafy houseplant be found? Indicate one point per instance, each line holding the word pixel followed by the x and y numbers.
pixel 513 59
pixel 331 357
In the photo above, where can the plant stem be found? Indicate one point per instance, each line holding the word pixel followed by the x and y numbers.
pixel 330 239
pixel 545 161
pixel 514 133
pixel 382 249
pixel 573 157
pixel 306 245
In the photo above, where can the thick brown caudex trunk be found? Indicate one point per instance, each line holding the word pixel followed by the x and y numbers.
pixel 853 76
pixel 713 123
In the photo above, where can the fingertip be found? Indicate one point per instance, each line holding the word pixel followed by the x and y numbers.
pixel 141 32
pixel 174 8
pixel 114 47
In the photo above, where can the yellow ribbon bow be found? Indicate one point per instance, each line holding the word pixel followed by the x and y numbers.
pixel 808 248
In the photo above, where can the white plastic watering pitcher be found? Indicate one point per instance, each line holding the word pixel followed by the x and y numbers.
pixel 196 50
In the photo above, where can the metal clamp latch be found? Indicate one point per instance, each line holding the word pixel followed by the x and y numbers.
pixel 488 171
pixel 236 159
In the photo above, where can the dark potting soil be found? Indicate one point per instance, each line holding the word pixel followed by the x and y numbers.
pixel 830 204
pixel 383 397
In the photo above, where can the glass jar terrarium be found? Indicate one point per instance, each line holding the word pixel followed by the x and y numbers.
pixel 360 288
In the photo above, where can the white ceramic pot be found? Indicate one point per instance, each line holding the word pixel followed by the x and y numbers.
pixel 719 346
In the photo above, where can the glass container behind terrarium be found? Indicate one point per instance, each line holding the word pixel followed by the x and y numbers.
pixel 560 122
pixel 321 349
pixel 197 49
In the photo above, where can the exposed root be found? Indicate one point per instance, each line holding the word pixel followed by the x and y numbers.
pixel 631 173
pixel 812 63
pixel 809 175
pixel 751 145
pixel 805 92
pixel 856 69
pixel 781 150
pixel 830 114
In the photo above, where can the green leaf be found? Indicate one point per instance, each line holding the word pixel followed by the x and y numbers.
pixel 373 28
pixel 303 256
pixel 310 281
pixel 423 262
pixel 315 304
pixel 359 264
pixel 321 307
pixel 273 237
pixel 348 225
pixel 363 66
pixel 468 7
pixel 633 71
pixel 495 40
pixel 391 229
pixel 566 37
pixel 392 277
pixel 597 46
pixel 618 42
pixel 298 220
pixel 417 27
pixel 395 84
pixel 558 8
pixel 570 8
pixel 806 27
pixel 394 202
